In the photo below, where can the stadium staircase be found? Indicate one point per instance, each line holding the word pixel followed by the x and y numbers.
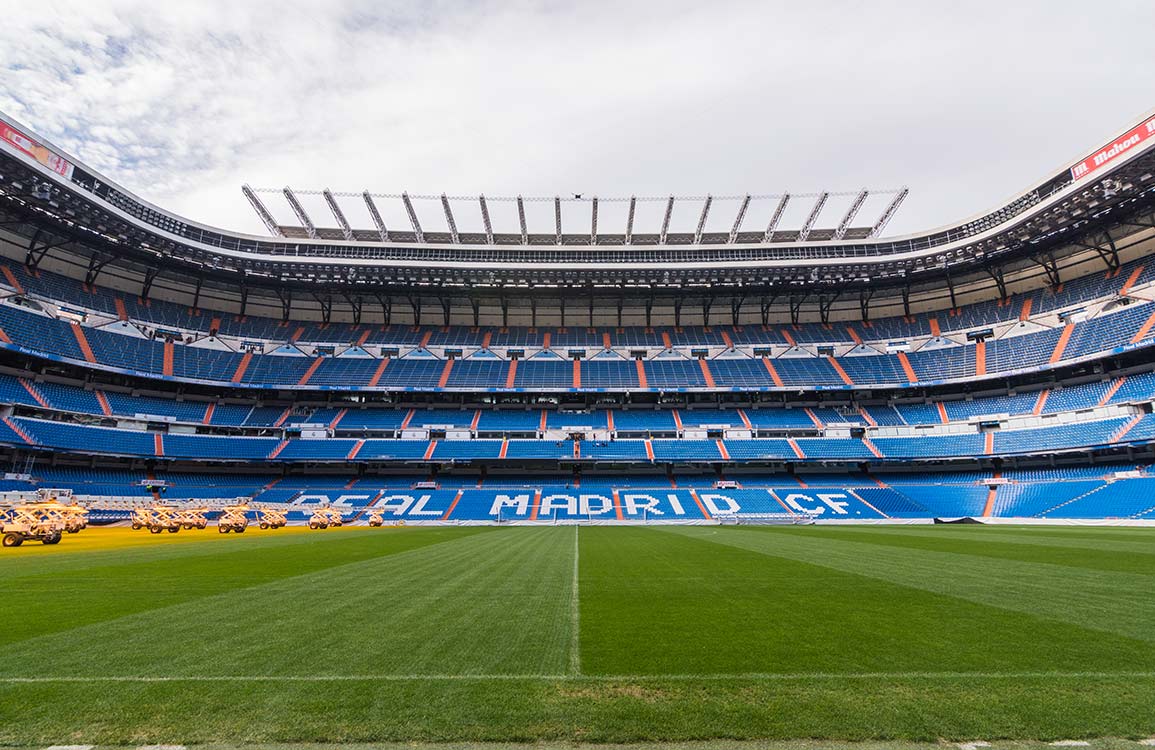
pixel 1048 511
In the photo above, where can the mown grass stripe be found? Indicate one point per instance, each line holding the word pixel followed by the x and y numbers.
pixel 790 676
pixel 61 600
pixel 491 602
pixel 575 653
pixel 1109 602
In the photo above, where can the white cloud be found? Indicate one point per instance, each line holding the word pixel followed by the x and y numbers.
pixel 967 103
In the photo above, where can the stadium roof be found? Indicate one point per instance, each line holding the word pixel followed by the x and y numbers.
pixel 710 216
pixel 60 200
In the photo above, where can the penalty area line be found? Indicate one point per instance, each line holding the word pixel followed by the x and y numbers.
pixel 756 676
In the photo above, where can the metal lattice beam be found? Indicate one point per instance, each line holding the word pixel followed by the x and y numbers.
pixel 262 212
pixel 804 232
pixel 377 220
pixel 485 219
pixel 702 220
pixel 557 217
pixel 449 219
pixel 521 218
pixel 776 219
pixel 843 225
pixel 338 214
pixel 738 219
pixel 412 217
pixel 666 220
pixel 594 221
pixel 630 220
pixel 299 210
pixel 888 214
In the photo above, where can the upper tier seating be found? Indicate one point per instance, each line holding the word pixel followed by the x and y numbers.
pixel 159 313
pixel 122 346
pixel 56 338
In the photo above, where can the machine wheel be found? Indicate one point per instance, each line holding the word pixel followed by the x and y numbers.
pixel 239 529
pixel 202 525
pixel 312 525
pixel 173 529
pixel 73 530
pixel 136 527
pixel 264 525
pixel 53 539
pixel 13 539
pixel 155 529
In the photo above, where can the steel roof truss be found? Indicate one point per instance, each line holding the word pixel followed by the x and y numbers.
pixel 804 232
pixel 262 212
pixel 851 212
pixel 449 219
pixel 702 220
pixel 776 218
pixel 413 217
pixel 376 215
pixel 738 219
pixel 299 210
pixel 338 214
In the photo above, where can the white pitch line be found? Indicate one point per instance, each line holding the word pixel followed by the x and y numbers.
pixel 762 676
pixel 575 653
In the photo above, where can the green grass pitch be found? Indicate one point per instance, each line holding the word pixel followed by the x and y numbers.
pixel 598 634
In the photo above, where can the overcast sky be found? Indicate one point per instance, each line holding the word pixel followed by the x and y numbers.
pixel 965 103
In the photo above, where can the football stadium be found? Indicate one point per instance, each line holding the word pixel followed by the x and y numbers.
pixel 562 469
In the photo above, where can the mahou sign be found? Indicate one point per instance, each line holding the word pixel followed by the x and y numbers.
pixel 1114 150
pixel 40 153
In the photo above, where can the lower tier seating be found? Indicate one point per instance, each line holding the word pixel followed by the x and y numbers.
pixel 1088 492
